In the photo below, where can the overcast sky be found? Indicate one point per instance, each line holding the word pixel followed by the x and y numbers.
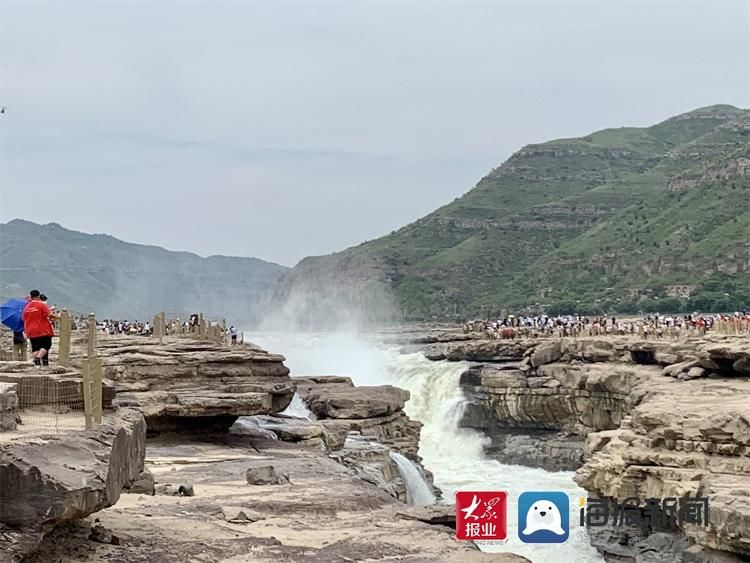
pixel 281 130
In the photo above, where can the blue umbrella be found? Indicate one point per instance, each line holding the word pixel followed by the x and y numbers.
pixel 11 314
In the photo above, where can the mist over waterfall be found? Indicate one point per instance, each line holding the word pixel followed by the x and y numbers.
pixel 417 489
pixel 453 454
pixel 320 293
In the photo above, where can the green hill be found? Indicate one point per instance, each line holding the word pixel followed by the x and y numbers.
pixel 610 222
pixel 114 278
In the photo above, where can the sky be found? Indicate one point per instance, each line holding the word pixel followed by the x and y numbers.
pixel 287 129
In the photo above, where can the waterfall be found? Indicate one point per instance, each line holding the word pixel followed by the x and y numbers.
pixel 453 454
pixel 417 489
pixel 298 409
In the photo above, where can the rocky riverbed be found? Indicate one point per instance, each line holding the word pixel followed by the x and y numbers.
pixel 321 511
pixel 227 476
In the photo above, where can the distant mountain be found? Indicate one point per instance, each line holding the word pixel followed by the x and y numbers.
pixel 100 273
pixel 622 220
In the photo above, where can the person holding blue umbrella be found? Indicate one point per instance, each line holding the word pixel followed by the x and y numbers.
pixel 37 321
pixel 11 315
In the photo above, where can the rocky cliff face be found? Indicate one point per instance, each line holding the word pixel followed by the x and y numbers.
pixel 635 418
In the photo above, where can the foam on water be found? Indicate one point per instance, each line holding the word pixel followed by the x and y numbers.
pixel 453 454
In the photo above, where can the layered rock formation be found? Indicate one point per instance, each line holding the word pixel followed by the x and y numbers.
pixel 375 411
pixel 191 384
pixel 46 480
pixel 659 419
pixel 358 426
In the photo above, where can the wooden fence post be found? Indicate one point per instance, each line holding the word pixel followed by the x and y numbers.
pixel 91 344
pixel 91 378
pixel 202 329
pixel 159 327
pixel 63 356
pixel 86 385
pixel 19 351
pixel 95 365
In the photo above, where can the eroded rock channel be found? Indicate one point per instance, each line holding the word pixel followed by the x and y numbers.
pixel 647 419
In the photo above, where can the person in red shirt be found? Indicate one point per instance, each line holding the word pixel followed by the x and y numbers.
pixel 37 325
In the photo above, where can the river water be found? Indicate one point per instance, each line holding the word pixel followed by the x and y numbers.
pixel 453 454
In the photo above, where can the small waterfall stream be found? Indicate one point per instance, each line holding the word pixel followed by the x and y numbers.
pixel 298 409
pixel 417 489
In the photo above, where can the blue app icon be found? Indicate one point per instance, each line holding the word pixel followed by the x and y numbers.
pixel 543 517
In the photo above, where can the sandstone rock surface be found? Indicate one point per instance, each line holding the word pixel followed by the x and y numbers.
pixel 325 514
pixel 191 384
pixel 683 438
pixel 264 475
pixel 334 399
pixel 339 401
pixel 659 419
pixel 46 480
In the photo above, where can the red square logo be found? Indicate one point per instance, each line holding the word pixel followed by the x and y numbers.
pixel 482 515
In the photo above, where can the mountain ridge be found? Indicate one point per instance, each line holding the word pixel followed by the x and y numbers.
pixel 99 272
pixel 476 254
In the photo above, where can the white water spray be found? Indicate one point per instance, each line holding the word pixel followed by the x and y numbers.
pixel 298 409
pixel 417 489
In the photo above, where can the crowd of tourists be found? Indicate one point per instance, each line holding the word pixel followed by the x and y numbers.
pixel 649 326
pixel 38 322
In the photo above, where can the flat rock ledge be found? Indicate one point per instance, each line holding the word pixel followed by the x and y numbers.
pixel 47 480
pixel 186 384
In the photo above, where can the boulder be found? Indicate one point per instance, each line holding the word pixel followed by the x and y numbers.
pixel 356 402
pixel 45 480
pixel 546 353
pixel 235 516
pixel 186 490
pixel 500 379
pixel 675 370
pixel 288 429
pixel 265 475
pixel 742 365
pixel 143 485
pixel 100 534
pixel 694 372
